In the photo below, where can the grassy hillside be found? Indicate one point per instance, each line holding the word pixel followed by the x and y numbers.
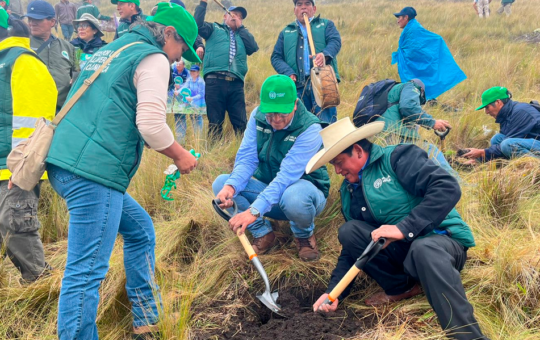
pixel 207 283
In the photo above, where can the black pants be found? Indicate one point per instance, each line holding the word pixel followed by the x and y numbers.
pixel 221 96
pixel 434 261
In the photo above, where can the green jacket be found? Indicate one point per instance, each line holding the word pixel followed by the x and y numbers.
pixel 390 203
pixel 62 64
pixel 273 146
pixel 405 111
pixel 98 139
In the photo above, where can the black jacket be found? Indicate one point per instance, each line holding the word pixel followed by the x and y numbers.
pixel 90 47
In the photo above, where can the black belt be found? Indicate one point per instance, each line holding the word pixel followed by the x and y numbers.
pixel 218 76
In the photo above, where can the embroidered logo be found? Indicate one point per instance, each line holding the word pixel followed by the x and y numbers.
pixel 65 55
pixel 290 139
pixel 379 182
pixel 272 95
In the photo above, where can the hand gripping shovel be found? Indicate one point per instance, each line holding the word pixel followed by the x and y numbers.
pixel 442 136
pixel 267 298
pixel 371 251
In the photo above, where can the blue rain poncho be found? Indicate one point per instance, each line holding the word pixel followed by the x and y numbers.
pixel 424 55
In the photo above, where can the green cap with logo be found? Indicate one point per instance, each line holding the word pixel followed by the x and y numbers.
pixel 136 2
pixel 278 94
pixel 3 18
pixel 493 94
pixel 170 14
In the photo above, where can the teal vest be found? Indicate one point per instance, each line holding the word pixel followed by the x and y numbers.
pixel 123 26
pixel 273 146
pixel 393 122
pixel 216 58
pixel 8 57
pixel 389 202
pixel 290 42
pixel 98 139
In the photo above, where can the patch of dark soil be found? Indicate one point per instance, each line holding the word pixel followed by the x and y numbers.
pixel 300 323
pixel 531 38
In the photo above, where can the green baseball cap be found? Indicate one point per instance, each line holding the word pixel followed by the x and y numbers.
pixel 136 2
pixel 3 18
pixel 493 94
pixel 7 3
pixel 278 94
pixel 170 14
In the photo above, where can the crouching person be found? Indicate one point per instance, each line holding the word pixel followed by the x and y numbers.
pixel 280 139
pixel 21 74
pixel 398 193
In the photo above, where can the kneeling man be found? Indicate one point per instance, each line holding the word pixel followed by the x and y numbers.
pixel 397 192
pixel 280 139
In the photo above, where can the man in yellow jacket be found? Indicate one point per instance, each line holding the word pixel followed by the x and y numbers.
pixel 27 92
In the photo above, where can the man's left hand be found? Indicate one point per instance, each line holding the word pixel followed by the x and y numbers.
pixel 319 60
pixel 241 221
pixel 390 232
pixel 200 53
pixel 475 153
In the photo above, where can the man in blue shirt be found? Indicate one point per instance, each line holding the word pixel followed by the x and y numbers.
pixel 268 178
pixel 291 55
pixel 520 127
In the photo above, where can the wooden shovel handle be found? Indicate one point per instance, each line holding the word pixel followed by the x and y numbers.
pixel 343 284
pixel 310 37
pixel 247 245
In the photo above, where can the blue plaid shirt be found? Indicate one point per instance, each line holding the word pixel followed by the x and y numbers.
pixel 303 28
pixel 232 49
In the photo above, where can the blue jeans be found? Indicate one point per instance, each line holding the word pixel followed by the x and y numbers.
pixel 299 204
pixel 181 126
pixel 97 215
pixel 516 147
pixel 305 94
pixel 67 31
pixel 438 157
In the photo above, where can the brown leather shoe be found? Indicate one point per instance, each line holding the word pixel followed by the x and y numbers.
pixel 262 245
pixel 381 298
pixel 307 248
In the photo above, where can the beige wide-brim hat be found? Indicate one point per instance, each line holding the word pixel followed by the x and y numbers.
pixel 91 19
pixel 338 137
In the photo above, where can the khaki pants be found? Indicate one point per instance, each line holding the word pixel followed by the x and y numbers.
pixel 483 8
pixel 19 234
pixel 506 8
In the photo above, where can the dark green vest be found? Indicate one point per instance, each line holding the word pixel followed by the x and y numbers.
pixel 216 58
pixel 393 122
pixel 123 26
pixel 273 146
pixel 290 42
pixel 98 139
pixel 389 202
pixel 8 57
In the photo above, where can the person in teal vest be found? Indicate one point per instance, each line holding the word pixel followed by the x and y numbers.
pixel 291 55
pixel 225 67
pixel 22 76
pixel 398 193
pixel 96 151
pixel 129 12
pixel 268 178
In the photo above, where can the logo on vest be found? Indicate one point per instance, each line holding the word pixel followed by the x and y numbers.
pixel 290 139
pixel 65 55
pixel 379 182
pixel 2 65
pixel 272 95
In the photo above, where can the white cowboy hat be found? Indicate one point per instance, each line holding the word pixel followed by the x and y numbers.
pixel 338 137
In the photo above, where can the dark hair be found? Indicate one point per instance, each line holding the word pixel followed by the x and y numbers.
pixel 505 100
pixel 364 144
pixel 18 29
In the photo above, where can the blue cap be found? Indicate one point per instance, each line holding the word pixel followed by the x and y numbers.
pixel 40 10
pixel 239 9
pixel 195 68
pixel 178 2
pixel 410 11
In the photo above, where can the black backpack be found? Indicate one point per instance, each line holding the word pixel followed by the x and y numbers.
pixel 535 104
pixel 373 102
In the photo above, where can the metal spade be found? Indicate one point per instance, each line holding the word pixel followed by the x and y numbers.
pixel 268 298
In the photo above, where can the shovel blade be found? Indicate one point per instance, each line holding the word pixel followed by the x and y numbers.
pixel 269 300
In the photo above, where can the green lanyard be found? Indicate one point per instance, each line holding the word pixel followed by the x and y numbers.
pixel 172 175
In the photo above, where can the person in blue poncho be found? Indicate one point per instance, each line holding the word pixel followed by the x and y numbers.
pixel 424 55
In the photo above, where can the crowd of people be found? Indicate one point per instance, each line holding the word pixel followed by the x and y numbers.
pixel 178 63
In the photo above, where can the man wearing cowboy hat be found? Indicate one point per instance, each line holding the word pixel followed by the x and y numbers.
pixel 268 178
pixel 398 193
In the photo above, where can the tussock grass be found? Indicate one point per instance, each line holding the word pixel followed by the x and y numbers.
pixel 204 275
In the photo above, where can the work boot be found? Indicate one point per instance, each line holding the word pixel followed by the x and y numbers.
pixel 382 298
pixel 262 245
pixel 307 248
pixel 150 332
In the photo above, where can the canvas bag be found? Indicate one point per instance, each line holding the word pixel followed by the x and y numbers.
pixel 27 161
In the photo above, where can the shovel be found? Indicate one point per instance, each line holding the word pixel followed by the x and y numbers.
pixel 268 298
pixel 371 251
pixel 442 136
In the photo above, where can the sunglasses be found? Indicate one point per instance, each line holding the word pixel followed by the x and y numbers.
pixel 84 26
pixel 271 116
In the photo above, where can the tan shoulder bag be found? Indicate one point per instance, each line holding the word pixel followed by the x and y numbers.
pixel 27 161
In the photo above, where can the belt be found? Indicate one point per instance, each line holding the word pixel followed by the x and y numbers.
pixel 216 76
